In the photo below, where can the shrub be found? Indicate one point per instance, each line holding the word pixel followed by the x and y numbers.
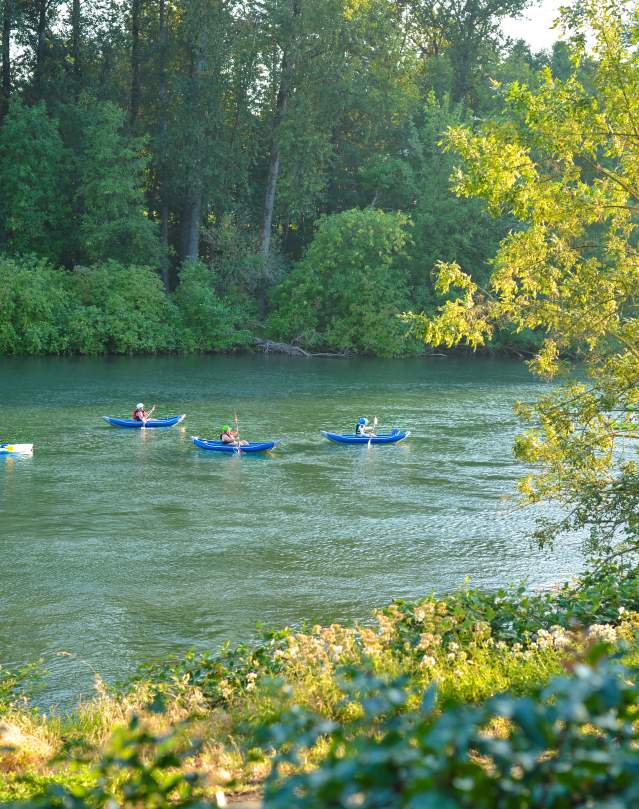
pixel 346 293
pixel 209 322
pixel 572 743
pixel 121 310
pixel 35 307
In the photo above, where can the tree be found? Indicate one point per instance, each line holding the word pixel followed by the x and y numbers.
pixel 565 162
pixel 34 168
pixel 109 201
pixel 465 30
pixel 347 290
pixel 7 26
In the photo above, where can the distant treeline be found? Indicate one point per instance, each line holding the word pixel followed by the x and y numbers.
pixel 275 164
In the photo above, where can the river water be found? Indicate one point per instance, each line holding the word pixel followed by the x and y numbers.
pixel 121 546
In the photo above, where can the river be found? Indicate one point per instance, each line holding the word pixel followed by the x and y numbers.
pixel 123 546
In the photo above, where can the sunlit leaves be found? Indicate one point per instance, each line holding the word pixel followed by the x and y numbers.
pixel 564 160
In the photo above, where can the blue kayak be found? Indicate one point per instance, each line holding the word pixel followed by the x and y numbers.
pixel 171 421
pixel 220 446
pixel 393 437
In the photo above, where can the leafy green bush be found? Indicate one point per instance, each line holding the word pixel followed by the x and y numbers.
pixel 346 293
pixel 121 310
pixel 209 322
pixel 570 744
pixel 35 307
pixel 472 645
pixel 109 308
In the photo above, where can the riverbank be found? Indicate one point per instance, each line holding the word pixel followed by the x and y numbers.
pixel 242 704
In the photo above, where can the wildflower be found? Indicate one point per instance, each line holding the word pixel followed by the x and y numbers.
pixel 428 661
pixel 453 646
pixel 427 640
pixel 603 632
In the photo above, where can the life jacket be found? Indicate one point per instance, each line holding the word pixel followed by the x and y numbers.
pixel 359 429
pixel 229 435
pixel 135 416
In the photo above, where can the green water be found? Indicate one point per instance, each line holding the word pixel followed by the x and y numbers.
pixel 119 546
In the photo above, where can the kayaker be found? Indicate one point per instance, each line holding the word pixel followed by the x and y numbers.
pixel 362 428
pixel 140 414
pixel 230 436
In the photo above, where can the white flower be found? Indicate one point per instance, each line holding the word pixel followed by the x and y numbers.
pixel 603 632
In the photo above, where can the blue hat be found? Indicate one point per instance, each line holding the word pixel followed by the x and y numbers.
pixel 363 421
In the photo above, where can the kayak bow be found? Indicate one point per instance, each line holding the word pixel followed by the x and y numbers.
pixel 220 446
pixel 171 421
pixel 394 437
pixel 14 449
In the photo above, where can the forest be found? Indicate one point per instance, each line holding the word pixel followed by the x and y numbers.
pixel 190 175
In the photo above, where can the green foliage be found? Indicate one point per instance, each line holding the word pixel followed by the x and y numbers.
pixel 34 182
pixel 209 322
pixel 137 768
pixel 560 160
pixel 572 743
pixel 109 308
pixel 121 310
pixel 35 306
pixel 112 220
pixel 473 643
pixel 346 292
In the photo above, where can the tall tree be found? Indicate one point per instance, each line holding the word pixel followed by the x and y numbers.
pixel 564 160
pixel 465 30
pixel 161 146
pixel 7 25
pixel 136 59
pixel 76 46
pixel 288 45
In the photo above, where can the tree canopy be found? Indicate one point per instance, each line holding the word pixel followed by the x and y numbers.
pixel 564 161
pixel 146 132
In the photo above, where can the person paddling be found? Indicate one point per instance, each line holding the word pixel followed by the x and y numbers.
pixel 230 436
pixel 362 428
pixel 140 414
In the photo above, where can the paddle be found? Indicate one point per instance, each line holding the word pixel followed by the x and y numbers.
pixel 370 436
pixel 237 431
pixel 144 420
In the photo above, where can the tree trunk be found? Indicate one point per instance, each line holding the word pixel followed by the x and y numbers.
pixel 134 105
pixel 162 162
pixel 76 22
pixel 193 207
pixel 41 48
pixel 286 75
pixel 193 213
pixel 7 23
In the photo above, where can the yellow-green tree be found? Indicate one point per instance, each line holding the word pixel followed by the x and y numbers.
pixel 564 160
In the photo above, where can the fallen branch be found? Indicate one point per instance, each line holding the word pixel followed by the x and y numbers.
pixel 270 346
